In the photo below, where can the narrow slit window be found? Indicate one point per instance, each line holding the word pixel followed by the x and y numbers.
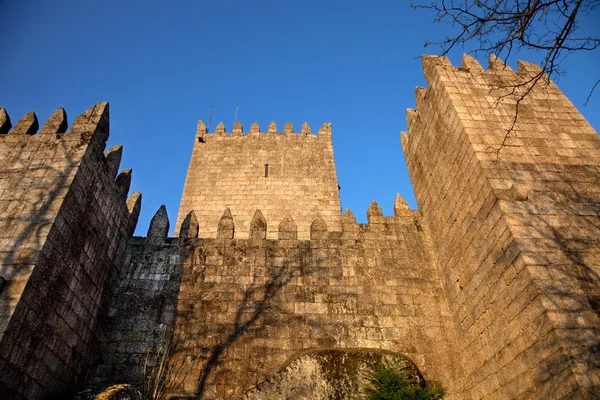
pixel 266 170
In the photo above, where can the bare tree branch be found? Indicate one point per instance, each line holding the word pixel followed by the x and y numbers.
pixel 590 94
pixel 502 27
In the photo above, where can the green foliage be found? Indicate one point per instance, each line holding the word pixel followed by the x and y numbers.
pixel 392 381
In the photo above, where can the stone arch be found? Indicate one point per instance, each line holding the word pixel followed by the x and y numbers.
pixel 325 374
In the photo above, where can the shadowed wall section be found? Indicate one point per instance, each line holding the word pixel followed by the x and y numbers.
pixel 141 315
pixel 64 224
pixel 513 211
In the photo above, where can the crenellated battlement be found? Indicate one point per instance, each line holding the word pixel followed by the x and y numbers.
pixel 92 124
pixel 92 121
pixel 504 91
pixel 496 65
pixel 286 228
pixel 255 130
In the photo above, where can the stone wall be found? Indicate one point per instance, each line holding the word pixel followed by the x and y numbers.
pixel 247 307
pixel 227 170
pixel 141 314
pixel 514 218
pixel 64 226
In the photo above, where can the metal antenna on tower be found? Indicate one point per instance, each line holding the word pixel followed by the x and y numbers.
pixel 210 118
pixel 235 115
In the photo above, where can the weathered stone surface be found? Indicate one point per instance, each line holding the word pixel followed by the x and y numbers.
pixel 5 123
pixel 496 63
pixel 525 66
pixel 258 226
pixel 220 129
pixel 57 123
pixel 237 127
pixel 28 125
pixel 348 217
pixel 431 62
pixel 113 159
pixel 404 139
pixel 328 374
pixel 134 202
pixel 201 129
pixel 288 229
pixel 141 314
pixel 159 224
pixel 253 305
pixel 318 228
pixel 374 211
pixel 400 206
pixel 226 228
pixel 420 95
pixel 93 120
pixel 245 309
pixel 288 128
pixel 190 226
pixel 513 226
pixel 519 192
pixel 411 117
pixel 305 129
pixel 134 206
pixel 325 129
pixel 471 63
pixel 63 232
pixel 272 128
pixel 123 182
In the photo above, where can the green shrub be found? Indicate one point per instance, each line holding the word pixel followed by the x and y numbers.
pixel 392 381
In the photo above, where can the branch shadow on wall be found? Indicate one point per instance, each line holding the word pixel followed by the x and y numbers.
pixel 257 311
pixel 563 230
pixel 30 220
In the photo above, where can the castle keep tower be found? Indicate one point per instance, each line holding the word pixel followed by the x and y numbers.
pixel 282 174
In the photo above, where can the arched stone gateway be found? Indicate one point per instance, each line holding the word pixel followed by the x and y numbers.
pixel 332 374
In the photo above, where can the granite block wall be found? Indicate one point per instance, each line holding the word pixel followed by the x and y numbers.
pixel 247 307
pixel 282 174
pixel 64 226
pixel 141 314
pixel 512 206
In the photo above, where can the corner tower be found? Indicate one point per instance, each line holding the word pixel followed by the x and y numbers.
pixel 509 187
pixel 282 174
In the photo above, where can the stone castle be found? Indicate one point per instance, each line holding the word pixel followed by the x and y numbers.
pixel 491 287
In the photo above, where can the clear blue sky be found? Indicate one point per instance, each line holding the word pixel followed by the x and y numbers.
pixel 162 65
